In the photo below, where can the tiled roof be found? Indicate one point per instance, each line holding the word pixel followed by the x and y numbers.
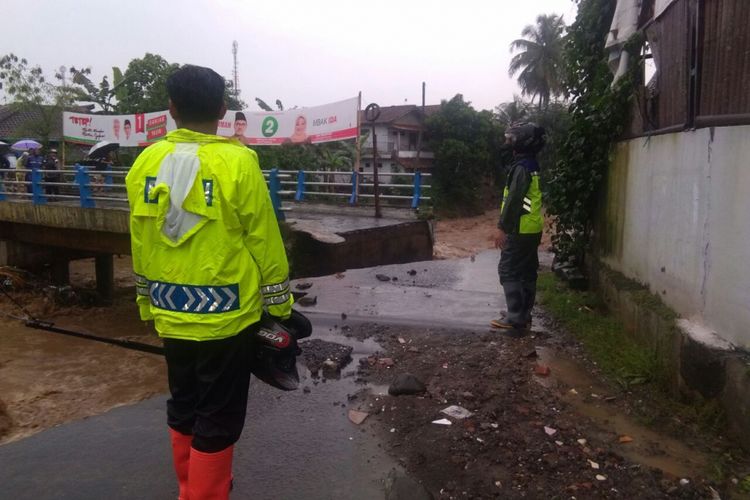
pixel 389 114
pixel 13 119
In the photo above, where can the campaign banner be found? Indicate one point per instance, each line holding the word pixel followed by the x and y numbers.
pixel 140 129
pixel 329 122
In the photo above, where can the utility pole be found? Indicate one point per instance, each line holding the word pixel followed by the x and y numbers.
pixel 372 112
pixel 235 74
pixel 421 128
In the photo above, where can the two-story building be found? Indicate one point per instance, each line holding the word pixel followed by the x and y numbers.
pixel 398 139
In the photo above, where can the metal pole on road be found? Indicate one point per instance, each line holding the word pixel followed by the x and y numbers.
pixel 372 112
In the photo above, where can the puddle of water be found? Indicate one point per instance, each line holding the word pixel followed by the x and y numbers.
pixel 648 447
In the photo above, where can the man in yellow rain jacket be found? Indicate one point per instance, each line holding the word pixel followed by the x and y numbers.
pixel 208 257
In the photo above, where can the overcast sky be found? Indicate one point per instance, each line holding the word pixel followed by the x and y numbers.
pixel 302 52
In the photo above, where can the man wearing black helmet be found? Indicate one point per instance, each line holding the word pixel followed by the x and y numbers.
pixel 519 229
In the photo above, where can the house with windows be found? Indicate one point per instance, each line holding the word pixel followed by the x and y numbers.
pixel 401 143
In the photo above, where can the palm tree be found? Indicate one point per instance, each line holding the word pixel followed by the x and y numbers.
pixel 540 58
pixel 514 111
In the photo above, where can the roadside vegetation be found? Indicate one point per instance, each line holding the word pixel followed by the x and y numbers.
pixel 621 358
pixel 584 315
pixel 635 370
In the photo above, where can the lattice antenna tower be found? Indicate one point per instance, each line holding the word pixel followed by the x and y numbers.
pixel 235 73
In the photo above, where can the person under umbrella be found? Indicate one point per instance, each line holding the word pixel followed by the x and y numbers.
pixel 51 163
pixel 34 162
pixel 25 145
pixel 102 149
pixel 4 164
pixel 102 153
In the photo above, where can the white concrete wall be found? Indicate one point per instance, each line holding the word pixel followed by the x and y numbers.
pixel 678 220
pixel 383 136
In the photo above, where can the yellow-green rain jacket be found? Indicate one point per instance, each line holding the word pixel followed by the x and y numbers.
pixel 207 251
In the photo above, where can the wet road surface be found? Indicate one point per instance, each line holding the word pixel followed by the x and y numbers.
pixel 295 445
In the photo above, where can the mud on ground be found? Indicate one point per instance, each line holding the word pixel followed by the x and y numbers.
pixel 565 434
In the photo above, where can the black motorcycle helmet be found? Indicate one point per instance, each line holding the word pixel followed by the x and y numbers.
pixel 275 350
pixel 526 137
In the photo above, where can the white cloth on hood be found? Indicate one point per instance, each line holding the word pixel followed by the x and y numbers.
pixel 179 171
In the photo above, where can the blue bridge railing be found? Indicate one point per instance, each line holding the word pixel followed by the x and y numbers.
pixel 89 188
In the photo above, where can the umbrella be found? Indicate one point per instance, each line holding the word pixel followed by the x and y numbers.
pixel 102 149
pixel 25 145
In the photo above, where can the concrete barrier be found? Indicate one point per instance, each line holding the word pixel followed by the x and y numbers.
pixel 694 362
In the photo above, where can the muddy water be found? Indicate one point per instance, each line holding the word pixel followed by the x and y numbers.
pixel 295 445
pixel 48 379
pixel 589 398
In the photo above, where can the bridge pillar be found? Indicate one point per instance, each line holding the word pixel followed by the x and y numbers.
pixel 4 258
pixel 105 277
pixel 60 272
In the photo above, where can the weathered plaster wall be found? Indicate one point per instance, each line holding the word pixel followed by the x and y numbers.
pixel 675 218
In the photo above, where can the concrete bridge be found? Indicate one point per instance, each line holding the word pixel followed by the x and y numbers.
pixel 38 233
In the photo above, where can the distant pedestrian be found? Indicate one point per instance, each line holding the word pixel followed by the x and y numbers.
pixel 52 163
pixel 6 175
pixel 20 174
pixel 5 165
pixel 519 230
pixel 34 162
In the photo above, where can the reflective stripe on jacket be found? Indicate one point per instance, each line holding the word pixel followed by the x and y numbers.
pixel 207 251
pixel 521 207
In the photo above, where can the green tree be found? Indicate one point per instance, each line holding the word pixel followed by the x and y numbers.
pixel 466 146
pixel 598 114
pixel 288 157
pixel 539 60
pixel 334 157
pixel 102 94
pixel 511 112
pixel 144 85
pixel 232 98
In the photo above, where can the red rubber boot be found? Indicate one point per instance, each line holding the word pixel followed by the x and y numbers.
pixel 210 474
pixel 181 458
